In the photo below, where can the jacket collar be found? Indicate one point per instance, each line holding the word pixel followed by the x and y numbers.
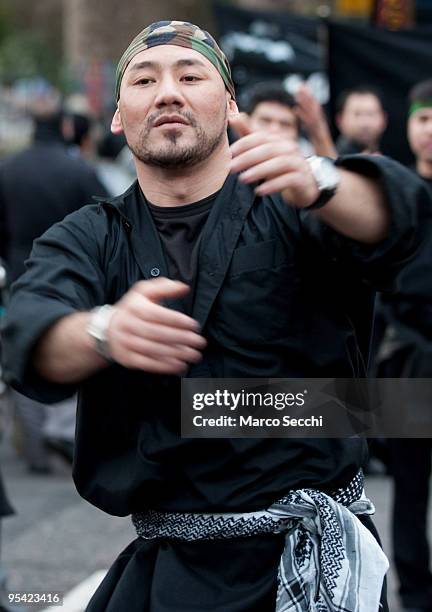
pixel 219 238
pixel 120 202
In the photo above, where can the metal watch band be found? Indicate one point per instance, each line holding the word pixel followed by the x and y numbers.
pixel 97 329
pixel 327 185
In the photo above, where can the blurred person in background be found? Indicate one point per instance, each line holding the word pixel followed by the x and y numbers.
pixel 361 121
pixel 5 506
pixel 420 130
pixel 39 186
pixel 110 168
pixel 5 511
pixel 271 108
pixel 103 152
pixel 78 135
pixel 407 352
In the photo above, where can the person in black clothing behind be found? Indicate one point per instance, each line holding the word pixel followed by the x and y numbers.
pixel 361 120
pixel 267 266
pixel 39 186
pixel 407 352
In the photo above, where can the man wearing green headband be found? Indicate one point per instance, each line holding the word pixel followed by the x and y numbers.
pixel 420 129
pixel 409 314
pixel 218 262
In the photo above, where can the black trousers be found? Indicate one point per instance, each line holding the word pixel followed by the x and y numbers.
pixel 411 464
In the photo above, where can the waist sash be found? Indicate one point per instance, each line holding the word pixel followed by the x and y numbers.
pixel 330 562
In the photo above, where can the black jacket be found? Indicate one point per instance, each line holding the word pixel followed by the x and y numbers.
pixel 278 294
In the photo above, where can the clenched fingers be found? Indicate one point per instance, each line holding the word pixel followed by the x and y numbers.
pixel 162 333
pixel 146 310
pixel 269 169
pixel 158 350
pixel 264 152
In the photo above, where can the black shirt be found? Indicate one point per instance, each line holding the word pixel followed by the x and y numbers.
pixel 179 229
pixel 278 295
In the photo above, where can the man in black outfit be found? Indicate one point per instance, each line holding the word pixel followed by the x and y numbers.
pixel 241 261
pixel 409 312
pixel 39 187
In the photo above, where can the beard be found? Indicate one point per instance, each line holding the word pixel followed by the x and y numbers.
pixel 175 154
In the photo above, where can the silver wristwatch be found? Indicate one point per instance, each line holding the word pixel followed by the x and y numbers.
pixel 97 329
pixel 327 177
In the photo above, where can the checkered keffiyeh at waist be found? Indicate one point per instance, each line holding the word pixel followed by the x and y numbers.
pixel 330 563
pixel 182 34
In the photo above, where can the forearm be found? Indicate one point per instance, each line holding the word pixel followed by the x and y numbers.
pixel 65 353
pixel 321 140
pixel 358 210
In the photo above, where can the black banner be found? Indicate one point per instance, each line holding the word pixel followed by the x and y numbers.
pixel 392 62
pixel 272 45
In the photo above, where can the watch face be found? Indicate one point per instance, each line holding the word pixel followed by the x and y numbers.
pixel 329 177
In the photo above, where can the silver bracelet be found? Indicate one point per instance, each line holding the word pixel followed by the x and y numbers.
pixel 97 329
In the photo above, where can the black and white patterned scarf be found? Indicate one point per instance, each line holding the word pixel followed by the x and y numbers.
pixel 330 563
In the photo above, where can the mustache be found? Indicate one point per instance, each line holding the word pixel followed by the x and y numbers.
pixel 151 120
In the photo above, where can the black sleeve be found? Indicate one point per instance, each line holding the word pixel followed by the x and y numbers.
pixel 64 275
pixel 379 264
pixel 411 305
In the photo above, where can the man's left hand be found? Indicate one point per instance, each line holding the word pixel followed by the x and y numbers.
pixel 275 163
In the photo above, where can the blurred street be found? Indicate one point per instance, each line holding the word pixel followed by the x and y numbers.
pixel 57 541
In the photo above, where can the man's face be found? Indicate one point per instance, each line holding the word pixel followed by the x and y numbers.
pixel 420 134
pixel 173 107
pixel 362 119
pixel 275 118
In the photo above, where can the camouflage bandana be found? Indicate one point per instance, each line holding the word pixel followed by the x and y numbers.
pixel 179 33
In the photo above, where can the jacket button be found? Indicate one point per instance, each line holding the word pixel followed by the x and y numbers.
pixel 155 272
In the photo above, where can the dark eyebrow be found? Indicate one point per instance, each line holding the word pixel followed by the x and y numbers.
pixel 190 62
pixel 142 65
pixel 155 65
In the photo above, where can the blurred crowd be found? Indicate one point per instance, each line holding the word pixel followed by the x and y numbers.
pixel 73 157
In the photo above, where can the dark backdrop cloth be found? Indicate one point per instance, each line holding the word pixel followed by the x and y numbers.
pixel 423 12
pixel 391 61
pixel 269 45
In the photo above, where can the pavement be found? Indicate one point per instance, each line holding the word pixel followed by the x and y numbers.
pixel 58 542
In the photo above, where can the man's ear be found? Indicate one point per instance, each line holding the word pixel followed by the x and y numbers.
pixel 232 108
pixel 116 123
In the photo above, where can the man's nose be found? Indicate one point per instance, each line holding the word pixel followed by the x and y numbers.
pixel 168 93
pixel 274 127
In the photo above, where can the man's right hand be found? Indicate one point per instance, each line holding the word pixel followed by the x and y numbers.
pixel 143 334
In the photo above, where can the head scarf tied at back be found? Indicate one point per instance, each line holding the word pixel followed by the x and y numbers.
pixel 182 34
